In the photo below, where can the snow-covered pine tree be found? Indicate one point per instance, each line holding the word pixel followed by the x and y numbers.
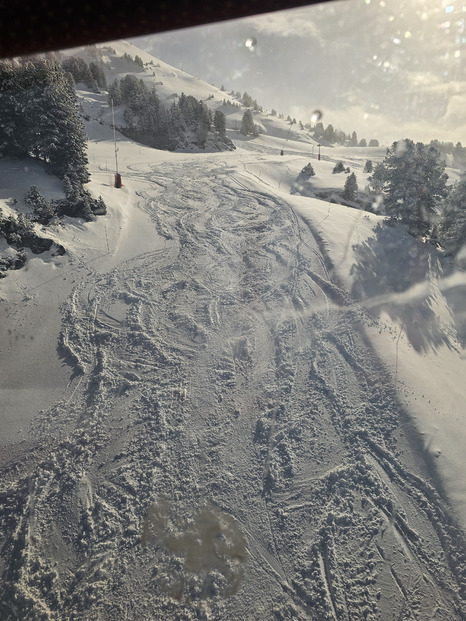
pixel 351 187
pixel 413 181
pixel 98 74
pixel 42 210
pixel 306 173
pixel 220 122
pixel 368 166
pixel 176 126
pixel 247 123
pixel 338 168
pixel 114 93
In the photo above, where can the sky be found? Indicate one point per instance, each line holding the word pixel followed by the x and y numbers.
pixel 387 69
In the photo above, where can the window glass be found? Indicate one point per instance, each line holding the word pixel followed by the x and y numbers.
pixel 233 321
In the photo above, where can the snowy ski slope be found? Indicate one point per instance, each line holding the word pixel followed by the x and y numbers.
pixel 213 411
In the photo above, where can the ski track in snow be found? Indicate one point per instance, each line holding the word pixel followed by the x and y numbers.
pixel 232 447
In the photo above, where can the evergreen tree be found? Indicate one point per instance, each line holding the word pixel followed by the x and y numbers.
pixel 338 168
pixel 319 130
pixel 354 140
pixel 42 210
pixel 306 172
pixel 351 187
pixel 368 166
pixel 129 119
pixel 413 181
pixel 203 122
pixel 452 229
pixel 132 92
pixel 247 123
pixel 114 93
pixel 329 134
pixel 98 74
pixel 176 126
pixel 248 101
pixel 220 122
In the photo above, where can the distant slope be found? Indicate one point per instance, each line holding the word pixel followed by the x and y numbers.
pixel 170 82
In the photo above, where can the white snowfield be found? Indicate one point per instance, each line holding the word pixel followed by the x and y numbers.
pixel 229 402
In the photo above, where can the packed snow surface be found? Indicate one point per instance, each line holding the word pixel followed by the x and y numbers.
pixel 213 403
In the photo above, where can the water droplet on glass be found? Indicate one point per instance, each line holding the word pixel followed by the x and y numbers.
pixel 251 44
pixel 316 116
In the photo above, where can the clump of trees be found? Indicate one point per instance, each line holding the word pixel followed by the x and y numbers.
pixel 136 60
pixel 188 121
pixel 456 151
pixel 39 118
pixel 19 232
pixel 92 75
pixel 42 209
pixel 336 136
pixel 249 102
pixel 413 184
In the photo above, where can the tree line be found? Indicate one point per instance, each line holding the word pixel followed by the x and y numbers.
pixel 188 121
pixel 39 119
pixel 336 136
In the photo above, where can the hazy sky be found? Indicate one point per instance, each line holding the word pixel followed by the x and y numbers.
pixel 388 69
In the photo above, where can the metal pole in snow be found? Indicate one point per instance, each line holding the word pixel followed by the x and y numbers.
pixel 114 140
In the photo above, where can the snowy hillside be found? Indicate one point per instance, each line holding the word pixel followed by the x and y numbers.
pixel 226 401
pixel 118 61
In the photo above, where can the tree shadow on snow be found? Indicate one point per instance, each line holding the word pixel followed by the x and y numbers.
pixel 393 273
